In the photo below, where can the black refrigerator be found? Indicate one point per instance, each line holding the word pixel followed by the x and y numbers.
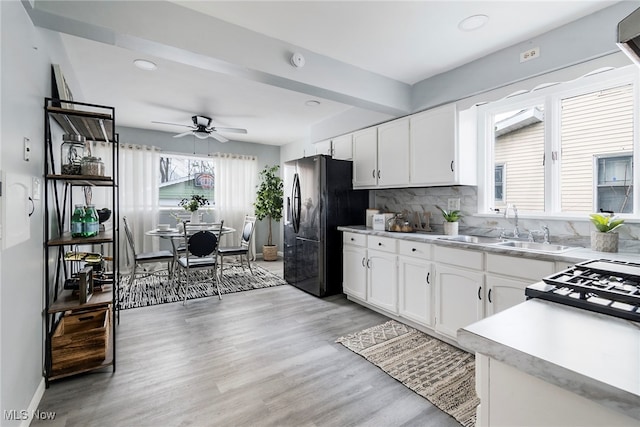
pixel 318 198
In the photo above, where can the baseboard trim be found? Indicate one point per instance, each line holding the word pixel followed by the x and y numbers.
pixel 35 402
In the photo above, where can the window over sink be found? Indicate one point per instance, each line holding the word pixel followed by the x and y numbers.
pixel 563 148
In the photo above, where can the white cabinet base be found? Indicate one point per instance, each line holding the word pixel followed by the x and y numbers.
pixel 510 397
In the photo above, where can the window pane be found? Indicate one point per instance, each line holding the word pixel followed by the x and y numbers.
pixel 594 124
pixel 183 176
pixel 615 179
pixel 499 180
pixel 519 147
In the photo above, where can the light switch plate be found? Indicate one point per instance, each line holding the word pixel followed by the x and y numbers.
pixel 453 204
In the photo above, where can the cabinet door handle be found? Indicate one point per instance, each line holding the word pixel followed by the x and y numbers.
pixel 428 274
pixel 451 165
pixel 489 296
pixel 378 173
pixel 363 262
pixel 373 173
pixel 479 290
pixel 369 263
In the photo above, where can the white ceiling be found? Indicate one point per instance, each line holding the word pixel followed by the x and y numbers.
pixel 404 41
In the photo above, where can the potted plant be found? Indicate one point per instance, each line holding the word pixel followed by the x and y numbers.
pixel 192 204
pixel 604 238
pixel 450 221
pixel 268 205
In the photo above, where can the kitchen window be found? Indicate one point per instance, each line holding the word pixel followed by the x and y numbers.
pixel 183 176
pixel 568 148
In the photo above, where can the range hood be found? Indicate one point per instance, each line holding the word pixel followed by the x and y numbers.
pixel 629 36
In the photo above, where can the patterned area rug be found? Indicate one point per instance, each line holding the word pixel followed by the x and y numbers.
pixel 437 371
pixel 156 289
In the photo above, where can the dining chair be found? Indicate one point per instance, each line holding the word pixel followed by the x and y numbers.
pixel 244 245
pixel 139 258
pixel 202 242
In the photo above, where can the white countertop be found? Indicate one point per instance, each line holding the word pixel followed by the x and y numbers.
pixel 574 255
pixel 593 355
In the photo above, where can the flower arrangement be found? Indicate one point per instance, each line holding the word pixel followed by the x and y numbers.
pixel 450 216
pixel 194 203
pixel 605 223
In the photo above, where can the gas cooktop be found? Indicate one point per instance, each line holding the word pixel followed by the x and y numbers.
pixel 603 286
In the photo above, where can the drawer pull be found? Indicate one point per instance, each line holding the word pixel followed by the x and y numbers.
pixel 379 243
pixel 413 249
pixel 352 239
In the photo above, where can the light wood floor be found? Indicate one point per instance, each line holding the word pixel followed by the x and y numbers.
pixel 265 357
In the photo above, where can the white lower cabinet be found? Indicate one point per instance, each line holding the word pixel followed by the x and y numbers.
pixel 458 298
pixel 382 277
pixel 415 286
pixel 354 271
pixel 507 277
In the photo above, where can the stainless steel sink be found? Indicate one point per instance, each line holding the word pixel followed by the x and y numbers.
pixel 534 246
pixel 471 239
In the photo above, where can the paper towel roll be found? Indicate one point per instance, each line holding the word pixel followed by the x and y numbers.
pixel 369 216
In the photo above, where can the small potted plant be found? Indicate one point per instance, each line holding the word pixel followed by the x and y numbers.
pixel 192 205
pixel 450 221
pixel 268 205
pixel 604 238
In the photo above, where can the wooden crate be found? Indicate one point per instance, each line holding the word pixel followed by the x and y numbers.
pixel 80 340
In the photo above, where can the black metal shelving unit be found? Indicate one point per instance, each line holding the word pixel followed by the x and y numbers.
pixel 97 124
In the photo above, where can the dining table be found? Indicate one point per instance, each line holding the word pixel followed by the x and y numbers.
pixel 173 234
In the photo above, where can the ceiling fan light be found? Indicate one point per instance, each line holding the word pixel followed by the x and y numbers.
pixel 201 134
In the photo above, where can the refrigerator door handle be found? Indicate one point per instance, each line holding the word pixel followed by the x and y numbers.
pixel 297 203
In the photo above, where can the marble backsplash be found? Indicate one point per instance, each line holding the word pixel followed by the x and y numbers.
pixel 425 199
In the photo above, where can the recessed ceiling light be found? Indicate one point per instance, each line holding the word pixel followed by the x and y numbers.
pixel 473 22
pixel 143 64
pixel 312 103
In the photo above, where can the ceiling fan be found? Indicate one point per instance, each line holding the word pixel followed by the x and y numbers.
pixel 203 129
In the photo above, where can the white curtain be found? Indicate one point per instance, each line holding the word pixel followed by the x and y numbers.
pixel 138 187
pixel 235 191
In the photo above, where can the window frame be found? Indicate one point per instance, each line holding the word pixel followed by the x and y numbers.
pixel 212 203
pixel 550 97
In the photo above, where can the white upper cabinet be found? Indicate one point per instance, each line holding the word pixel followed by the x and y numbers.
pixel 393 153
pixel 381 156
pixel 443 147
pixel 323 147
pixel 365 158
pixel 343 147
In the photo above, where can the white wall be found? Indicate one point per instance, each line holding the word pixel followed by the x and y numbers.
pixel 26 63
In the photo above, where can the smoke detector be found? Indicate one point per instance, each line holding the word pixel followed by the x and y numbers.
pixel 297 60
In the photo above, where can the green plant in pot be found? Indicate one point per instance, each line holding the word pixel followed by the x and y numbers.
pixel 451 218
pixel 192 204
pixel 604 238
pixel 268 205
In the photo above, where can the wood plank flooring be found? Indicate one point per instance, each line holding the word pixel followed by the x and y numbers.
pixel 265 357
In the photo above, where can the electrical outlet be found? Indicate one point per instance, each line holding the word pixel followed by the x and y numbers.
pixel 530 54
pixel 453 204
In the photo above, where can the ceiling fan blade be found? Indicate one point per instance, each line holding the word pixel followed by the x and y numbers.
pixel 180 135
pixel 219 137
pixel 173 124
pixel 232 130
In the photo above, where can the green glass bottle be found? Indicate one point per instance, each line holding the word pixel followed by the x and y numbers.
pixel 90 222
pixel 77 220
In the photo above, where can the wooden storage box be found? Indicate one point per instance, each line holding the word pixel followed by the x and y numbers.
pixel 80 340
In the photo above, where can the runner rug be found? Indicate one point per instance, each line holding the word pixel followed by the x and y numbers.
pixel 157 289
pixel 437 371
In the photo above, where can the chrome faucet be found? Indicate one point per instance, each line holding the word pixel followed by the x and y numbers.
pixel 516 232
pixel 545 230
